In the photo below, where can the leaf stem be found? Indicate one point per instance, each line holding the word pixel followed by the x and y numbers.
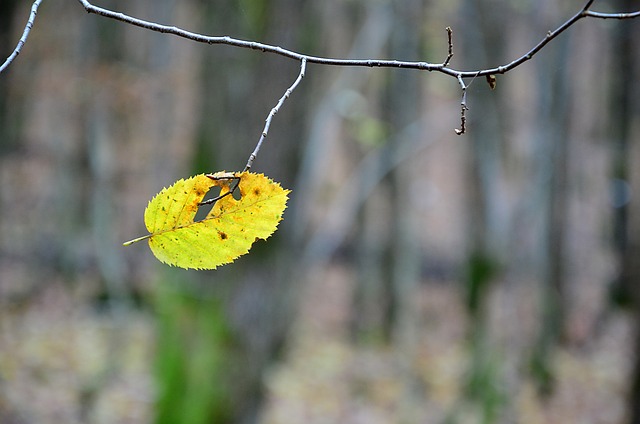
pixel 135 240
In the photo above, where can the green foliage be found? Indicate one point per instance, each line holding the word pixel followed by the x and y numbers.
pixel 195 351
pixel 542 371
pixel 254 16
pixel 483 385
pixel 484 381
pixel 369 132
pixel 481 269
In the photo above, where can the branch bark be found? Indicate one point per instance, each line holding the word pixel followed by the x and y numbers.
pixel 424 66
pixel 25 35
pixel 443 67
pixel 419 65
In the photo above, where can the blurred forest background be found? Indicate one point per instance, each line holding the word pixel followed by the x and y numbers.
pixel 418 276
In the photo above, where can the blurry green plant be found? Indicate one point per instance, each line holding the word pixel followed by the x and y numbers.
pixel 369 132
pixel 483 383
pixel 254 14
pixel 194 357
pixel 484 380
pixel 480 271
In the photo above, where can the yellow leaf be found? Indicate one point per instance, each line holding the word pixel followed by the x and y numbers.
pixel 228 230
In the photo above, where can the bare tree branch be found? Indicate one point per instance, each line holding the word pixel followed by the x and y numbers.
pixel 25 34
pixel 443 67
pixel 267 124
pixel 425 66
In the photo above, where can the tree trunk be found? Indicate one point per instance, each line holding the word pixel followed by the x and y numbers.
pixel 624 116
pixel 551 137
pixel 487 221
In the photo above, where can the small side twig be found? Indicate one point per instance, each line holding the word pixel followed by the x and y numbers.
pixel 267 124
pixel 450 44
pixel 25 34
pixel 463 108
pixel 463 104
pixel 263 137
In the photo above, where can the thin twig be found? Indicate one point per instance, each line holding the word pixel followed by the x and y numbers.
pixel 267 124
pixel 425 66
pixel 463 104
pixel 25 34
pixel 450 45
pixel 463 108
pixel 263 137
pixel 600 15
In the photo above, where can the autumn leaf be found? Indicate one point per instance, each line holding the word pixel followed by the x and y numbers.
pixel 228 230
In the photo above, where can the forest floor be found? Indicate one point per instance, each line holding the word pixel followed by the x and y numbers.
pixel 58 365
pixel 327 379
pixel 63 362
